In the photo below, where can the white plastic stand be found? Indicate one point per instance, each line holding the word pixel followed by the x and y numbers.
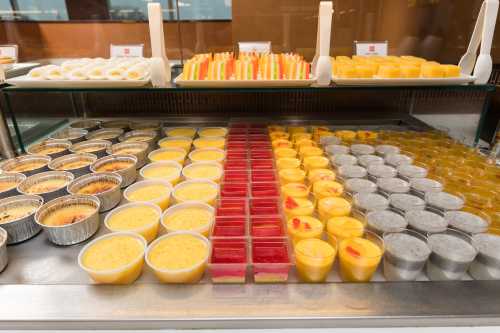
pixel 322 68
pixel 160 66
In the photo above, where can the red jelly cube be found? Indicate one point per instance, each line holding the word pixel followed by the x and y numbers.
pixel 232 207
pixel 236 176
pixel 271 262
pixel 234 190
pixel 264 206
pixel 263 176
pixel 229 227
pixel 236 164
pixel 262 164
pixel 264 190
pixel 261 154
pixel 266 227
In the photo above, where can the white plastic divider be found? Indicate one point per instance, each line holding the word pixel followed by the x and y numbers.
pixel 160 66
pixel 323 68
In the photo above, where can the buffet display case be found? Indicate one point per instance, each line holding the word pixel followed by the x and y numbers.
pixel 292 179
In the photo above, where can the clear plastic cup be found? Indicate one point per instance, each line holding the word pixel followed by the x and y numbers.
pixel 169 171
pixel 314 259
pixel 157 192
pixel 175 154
pixel 486 266
pixel 186 217
pixel 203 170
pixel 196 190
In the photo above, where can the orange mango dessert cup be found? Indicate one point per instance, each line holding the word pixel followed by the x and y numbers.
pixel 295 190
pixel 212 132
pixel 169 171
pixel 210 142
pixel 207 155
pixel 285 152
pixel 116 258
pixel 333 207
pixel 307 151
pixel 359 257
pixel 327 188
pixel 176 142
pixel 174 154
pixel 314 259
pixel 287 163
pixel 342 227
pixel 188 132
pixel 304 227
pixel 179 257
pixel 297 207
pixel 291 176
pixel 193 216
pixel 320 174
pixel 138 217
pixel 279 135
pixel 305 143
pixel 203 170
pixel 157 192
pixel 315 162
pixel 196 190
pixel 281 143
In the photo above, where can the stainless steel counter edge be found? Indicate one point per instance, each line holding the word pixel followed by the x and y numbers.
pixel 465 303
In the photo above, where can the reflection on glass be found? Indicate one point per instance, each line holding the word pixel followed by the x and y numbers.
pixel 33 10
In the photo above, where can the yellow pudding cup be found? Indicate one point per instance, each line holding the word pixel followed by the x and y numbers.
pixel 304 227
pixel 297 207
pixel 196 190
pixel 188 132
pixel 320 174
pixel 296 129
pixel 327 188
pixel 333 207
pixel 140 218
pixel 115 258
pixel 346 135
pixel 307 151
pixel 276 128
pixel 168 154
pixel 410 71
pixel 291 176
pixel 279 135
pixel 295 190
pixel 314 259
pixel 281 143
pixel 179 257
pixel 389 71
pixel 207 155
pixel 305 143
pixel 285 152
pixel 287 163
pixel 342 227
pixel 315 162
pixel 153 191
pixel 176 142
pixel 169 171
pixel 296 137
pixel 432 70
pixel 210 142
pixel 203 170
pixel 360 257
pixel 212 132
pixel 191 216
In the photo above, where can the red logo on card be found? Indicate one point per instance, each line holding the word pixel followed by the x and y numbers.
pixel 371 48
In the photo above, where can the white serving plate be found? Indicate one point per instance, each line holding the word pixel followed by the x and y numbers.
pixel 26 82
pixel 242 83
pixel 463 79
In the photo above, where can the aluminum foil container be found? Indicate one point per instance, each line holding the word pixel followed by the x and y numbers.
pixel 96 147
pixel 129 137
pixel 86 124
pixel 141 154
pixel 123 124
pixel 74 135
pixel 23 228
pixel 110 134
pixel 58 163
pixel 71 233
pixel 129 175
pixel 3 249
pixel 13 163
pixel 11 177
pixel 146 125
pixel 61 144
pixel 109 199
pixel 24 187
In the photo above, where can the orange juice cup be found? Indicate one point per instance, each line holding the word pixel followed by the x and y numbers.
pixel 314 259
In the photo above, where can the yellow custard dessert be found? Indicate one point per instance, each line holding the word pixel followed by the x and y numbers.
pixel 306 151
pixel 114 259
pixel 176 142
pixel 210 142
pixel 320 174
pixel 279 135
pixel 292 176
pixel 281 143
pixel 90 149
pixel 189 216
pixel 287 163
pixel 389 71
pixel 74 165
pixel 315 162
pixel 196 190
pixel 7 185
pixel 410 72
pixel 113 166
pixel 297 207
pixel 343 227
pixel 296 129
pixel 314 259
pixel 451 70
pixel 152 191
pixel 179 257
pixel 127 151
pixel 207 155
pixel 50 150
pixel 167 170
pixel 346 135
pixel 16 213
pixel 28 166
pixel 327 188
pixel 203 170
pixel 47 185
pixel 168 154
pixel 285 152
pixel 140 218
pixel 188 132
pixel 332 207
pixel 212 131
pixel 359 259
pixel 366 135
pixel 301 136
pixel 68 215
pixel 303 143
pixel 97 187
pixel 295 190
pixel 139 138
pixel 304 227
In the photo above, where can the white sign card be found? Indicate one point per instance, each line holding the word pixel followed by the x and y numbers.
pixel 9 51
pixel 371 48
pixel 258 47
pixel 132 50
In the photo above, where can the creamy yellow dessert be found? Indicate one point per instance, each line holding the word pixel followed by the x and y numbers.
pixel 114 259
pixel 320 174
pixel 16 213
pixel 343 227
pixel 97 187
pixel 50 150
pixel 196 190
pixel 114 166
pixel 140 218
pixel 296 129
pixel 7 185
pixel 302 143
pixel 189 216
pixel 301 136
pixel 168 154
pixel 127 151
pixel 179 257
pixel 292 176
pixel 297 207
pixel 279 135
pixel 304 227
pixel 315 162
pixel 389 71
pixel 359 259
pixel 284 152
pixel 47 185
pixel 28 166
pixel 150 191
pixel 207 155
pixel 188 132
pixel 176 142
pixel 314 259
pixel 210 142
pixel 327 188
pixel 306 151
pixel 287 163
pixel 432 70
pixel 346 135
pixel 167 170
pixel 451 70
pixel 332 207
pixel 203 170
pixel 212 131
pixel 295 190
pixel 68 215
pixel 281 143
